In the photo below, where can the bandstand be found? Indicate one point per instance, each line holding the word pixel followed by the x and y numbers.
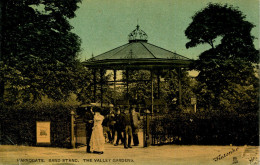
pixel 137 54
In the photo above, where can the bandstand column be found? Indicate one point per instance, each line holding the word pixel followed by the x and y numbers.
pixel 101 86
pixel 114 87
pixel 127 79
pixel 180 87
pixel 152 88
pixel 95 84
pixel 158 84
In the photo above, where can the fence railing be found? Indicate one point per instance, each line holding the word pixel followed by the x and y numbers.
pixel 201 129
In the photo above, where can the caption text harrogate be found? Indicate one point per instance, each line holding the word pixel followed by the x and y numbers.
pixel 75 160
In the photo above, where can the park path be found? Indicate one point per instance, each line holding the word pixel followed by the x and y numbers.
pixel 166 155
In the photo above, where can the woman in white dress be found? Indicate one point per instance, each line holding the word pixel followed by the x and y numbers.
pixel 97 139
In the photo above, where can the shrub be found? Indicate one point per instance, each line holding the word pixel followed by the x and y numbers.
pixel 19 123
pixel 215 128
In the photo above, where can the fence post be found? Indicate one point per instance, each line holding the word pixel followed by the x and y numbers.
pixel 72 129
pixel 0 133
pixel 147 136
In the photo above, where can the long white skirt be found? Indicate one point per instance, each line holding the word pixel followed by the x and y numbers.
pixel 97 140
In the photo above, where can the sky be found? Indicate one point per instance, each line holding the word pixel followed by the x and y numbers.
pixel 103 25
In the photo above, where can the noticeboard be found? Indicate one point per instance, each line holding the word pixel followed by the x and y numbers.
pixel 43 131
pixel 193 101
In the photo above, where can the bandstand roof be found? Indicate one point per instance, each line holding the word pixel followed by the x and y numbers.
pixel 138 53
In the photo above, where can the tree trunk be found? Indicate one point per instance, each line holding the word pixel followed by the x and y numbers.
pixel 2 20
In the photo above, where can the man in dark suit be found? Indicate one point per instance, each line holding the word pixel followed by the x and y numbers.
pixel 88 119
pixel 127 128
pixel 118 126
pixel 111 125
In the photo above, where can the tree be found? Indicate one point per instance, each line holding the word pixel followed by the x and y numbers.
pixel 171 89
pixel 85 85
pixel 140 91
pixel 38 44
pixel 228 66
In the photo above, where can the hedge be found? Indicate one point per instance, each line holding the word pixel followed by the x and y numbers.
pixel 18 123
pixel 215 128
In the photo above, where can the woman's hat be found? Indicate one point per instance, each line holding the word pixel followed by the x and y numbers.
pixel 97 109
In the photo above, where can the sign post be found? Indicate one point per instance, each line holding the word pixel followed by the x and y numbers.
pixel 72 129
pixel 194 102
pixel 146 131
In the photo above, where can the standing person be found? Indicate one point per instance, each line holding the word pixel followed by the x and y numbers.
pixel 106 130
pixel 97 140
pixel 127 128
pixel 135 126
pixel 118 127
pixel 88 119
pixel 106 127
pixel 111 125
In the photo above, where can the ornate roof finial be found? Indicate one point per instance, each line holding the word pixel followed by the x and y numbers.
pixel 92 57
pixel 137 35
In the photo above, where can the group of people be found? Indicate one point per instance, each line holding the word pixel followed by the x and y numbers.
pixel 122 122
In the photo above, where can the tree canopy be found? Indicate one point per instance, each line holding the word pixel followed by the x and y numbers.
pixel 38 45
pixel 229 24
pixel 227 75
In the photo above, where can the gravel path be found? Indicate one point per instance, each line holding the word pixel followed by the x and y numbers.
pixel 167 154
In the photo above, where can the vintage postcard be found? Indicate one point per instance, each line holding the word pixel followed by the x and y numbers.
pixel 172 82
